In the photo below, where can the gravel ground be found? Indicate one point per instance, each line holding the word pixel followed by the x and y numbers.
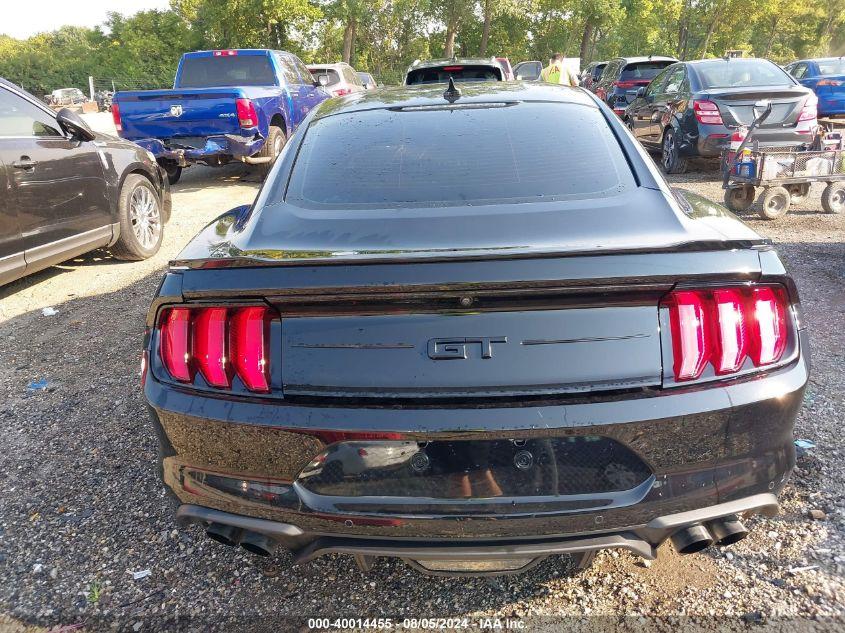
pixel 81 507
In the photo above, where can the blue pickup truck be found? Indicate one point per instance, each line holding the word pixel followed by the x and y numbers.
pixel 225 105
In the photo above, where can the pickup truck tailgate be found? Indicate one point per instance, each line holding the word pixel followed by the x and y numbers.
pixel 167 114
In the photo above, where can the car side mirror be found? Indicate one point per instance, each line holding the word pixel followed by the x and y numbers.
pixel 323 80
pixel 641 91
pixel 73 125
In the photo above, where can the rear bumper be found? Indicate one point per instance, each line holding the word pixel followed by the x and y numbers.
pixel 215 148
pixel 712 140
pixel 703 447
pixel 641 540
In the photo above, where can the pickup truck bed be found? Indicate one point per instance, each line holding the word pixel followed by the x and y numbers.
pixel 197 121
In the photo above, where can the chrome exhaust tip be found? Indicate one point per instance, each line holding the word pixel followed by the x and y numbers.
pixel 727 530
pixel 692 539
pixel 225 534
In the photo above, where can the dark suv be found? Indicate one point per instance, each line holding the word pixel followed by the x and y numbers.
pixel 67 190
pixel 617 86
pixel 473 355
pixel 463 69
pixel 690 108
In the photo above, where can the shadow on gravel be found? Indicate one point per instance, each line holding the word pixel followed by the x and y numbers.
pixel 199 177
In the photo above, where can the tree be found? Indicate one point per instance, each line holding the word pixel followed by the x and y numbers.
pixel 247 23
pixel 453 14
pixel 491 9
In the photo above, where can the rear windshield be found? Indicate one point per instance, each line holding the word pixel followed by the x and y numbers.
pixel 457 155
pixel 832 67
pixel 643 70
pixel 229 70
pixel 333 75
pixel 458 72
pixel 738 73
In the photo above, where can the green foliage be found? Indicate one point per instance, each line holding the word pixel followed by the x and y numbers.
pixel 385 36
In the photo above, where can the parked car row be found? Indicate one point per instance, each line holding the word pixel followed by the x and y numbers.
pixel 688 109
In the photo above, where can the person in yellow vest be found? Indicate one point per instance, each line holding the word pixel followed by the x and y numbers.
pixel 557 73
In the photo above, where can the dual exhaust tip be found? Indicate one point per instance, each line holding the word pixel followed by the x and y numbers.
pixel 253 542
pixel 694 538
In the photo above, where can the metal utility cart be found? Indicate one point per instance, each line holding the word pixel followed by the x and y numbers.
pixel 784 175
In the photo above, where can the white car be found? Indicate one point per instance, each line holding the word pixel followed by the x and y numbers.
pixel 339 79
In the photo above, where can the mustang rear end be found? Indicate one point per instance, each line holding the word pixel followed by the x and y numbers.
pixel 474 355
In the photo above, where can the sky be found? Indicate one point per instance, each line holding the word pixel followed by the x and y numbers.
pixel 22 19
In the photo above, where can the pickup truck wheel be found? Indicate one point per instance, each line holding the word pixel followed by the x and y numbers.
pixel 275 143
pixel 141 230
pixel 173 171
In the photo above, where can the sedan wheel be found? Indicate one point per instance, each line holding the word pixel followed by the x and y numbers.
pixel 671 160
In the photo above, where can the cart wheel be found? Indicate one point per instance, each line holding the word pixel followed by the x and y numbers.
pixel 775 203
pixel 740 198
pixel 833 197
pixel 798 193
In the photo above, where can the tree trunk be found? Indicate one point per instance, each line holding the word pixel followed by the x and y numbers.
pixel 683 31
pixel 349 39
pixel 771 37
pixel 485 32
pixel 585 39
pixel 451 34
pixel 710 30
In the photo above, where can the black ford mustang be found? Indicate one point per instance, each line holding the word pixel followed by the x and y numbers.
pixel 473 329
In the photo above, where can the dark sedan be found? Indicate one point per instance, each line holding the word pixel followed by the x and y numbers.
pixel 68 190
pixel 473 355
pixel 690 108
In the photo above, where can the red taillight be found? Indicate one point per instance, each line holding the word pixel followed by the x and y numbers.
pixel 830 82
pixel 725 326
pixel 627 84
pixel 691 341
pixel 249 350
pixel 707 112
pixel 451 69
pixel 219 343
pixel 210 346
pixel 768 331
pixel 731 331
pixel 175 343
pixel 341 91
pixel 810 110
pixel 115 116
pixel 246 113
pixel 226 53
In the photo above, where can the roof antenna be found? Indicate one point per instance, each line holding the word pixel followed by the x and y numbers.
pixel 452 94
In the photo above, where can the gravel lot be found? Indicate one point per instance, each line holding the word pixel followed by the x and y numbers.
pixel 81 507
